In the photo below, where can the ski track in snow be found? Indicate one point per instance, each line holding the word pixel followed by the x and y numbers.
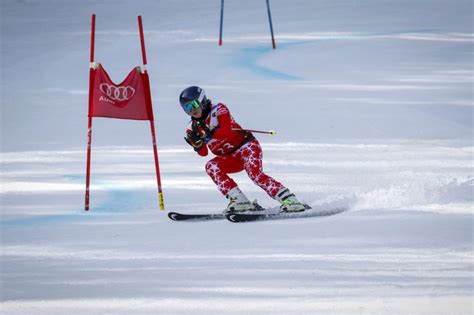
pixel 385 176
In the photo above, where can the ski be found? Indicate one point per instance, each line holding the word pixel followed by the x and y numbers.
pixel 250 217
pixel 261 215
pixel 176 216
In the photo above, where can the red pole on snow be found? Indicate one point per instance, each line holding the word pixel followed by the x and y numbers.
pixel 89 124
pixel 152 124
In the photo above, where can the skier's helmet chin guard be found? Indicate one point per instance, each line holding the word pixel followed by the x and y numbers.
pixel 193 97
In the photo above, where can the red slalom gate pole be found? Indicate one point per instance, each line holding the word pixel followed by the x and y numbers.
pixel 142 40
pixel 88 165
pixel 152 124
pixel 157 167
pixel 92 38
pixel 89 123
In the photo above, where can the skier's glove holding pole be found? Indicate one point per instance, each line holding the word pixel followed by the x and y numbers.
pixel 203 131
pixel 194 140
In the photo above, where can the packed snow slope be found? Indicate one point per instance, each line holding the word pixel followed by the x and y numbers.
pixel 373 107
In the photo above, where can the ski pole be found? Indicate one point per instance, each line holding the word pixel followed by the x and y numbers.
pixel 269 132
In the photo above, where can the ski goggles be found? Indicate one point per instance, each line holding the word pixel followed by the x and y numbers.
pixel 194 104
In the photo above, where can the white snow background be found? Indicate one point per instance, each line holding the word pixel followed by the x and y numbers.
pixel 372 101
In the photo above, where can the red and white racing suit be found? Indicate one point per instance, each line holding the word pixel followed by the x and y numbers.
pixel 235 151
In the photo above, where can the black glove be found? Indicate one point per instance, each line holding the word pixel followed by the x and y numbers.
pixel 194 140
pixel 202 130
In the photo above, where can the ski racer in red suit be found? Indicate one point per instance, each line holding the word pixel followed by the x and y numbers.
pixel 212 128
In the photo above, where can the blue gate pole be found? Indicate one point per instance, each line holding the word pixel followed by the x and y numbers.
pixel 271 25
pixel 222 22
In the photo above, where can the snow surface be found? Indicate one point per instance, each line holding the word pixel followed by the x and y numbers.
pixel 372 102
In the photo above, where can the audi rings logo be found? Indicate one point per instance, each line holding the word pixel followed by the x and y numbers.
pixel 117 93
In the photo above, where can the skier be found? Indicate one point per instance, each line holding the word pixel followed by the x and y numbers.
pixel 213 128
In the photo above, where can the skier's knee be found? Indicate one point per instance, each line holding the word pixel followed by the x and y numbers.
pixel 211 167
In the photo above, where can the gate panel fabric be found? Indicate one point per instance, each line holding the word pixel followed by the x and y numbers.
pixel 126 100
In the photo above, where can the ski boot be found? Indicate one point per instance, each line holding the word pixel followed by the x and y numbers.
pixel 288 201
pixel 239 202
